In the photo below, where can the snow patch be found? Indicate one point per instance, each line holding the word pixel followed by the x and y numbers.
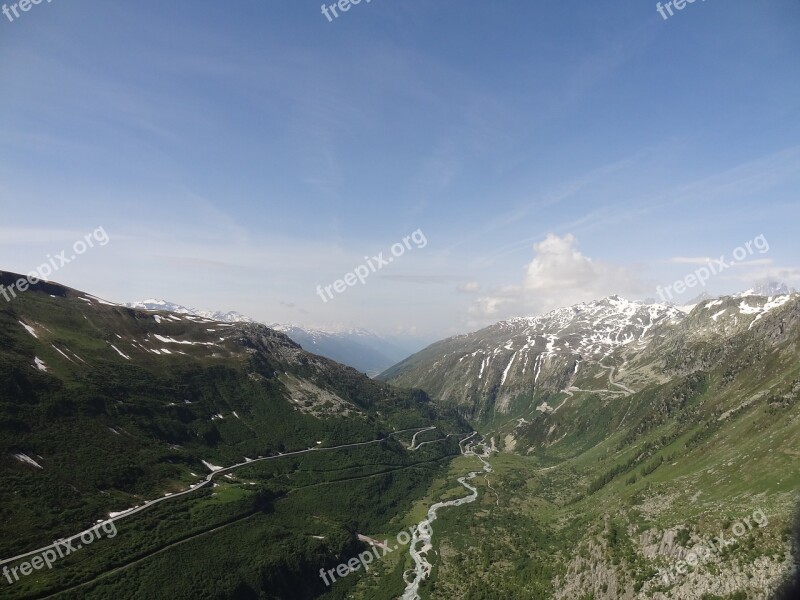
pixel 746 309
pixel 770 305
pixel 120 352
pixel 505 373
pixel 29 329
pixel 101 301
pixel 62 354
pixel 168 340
pixel 27 459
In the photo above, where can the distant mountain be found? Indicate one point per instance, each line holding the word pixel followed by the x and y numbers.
pixel 224 317
pixel 700 298
pixel 770 289
pixel 357 348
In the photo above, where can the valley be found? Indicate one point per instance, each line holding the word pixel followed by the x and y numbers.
pixel 425 300
pixel 588 453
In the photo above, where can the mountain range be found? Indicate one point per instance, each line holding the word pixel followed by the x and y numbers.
pixel 637 431
pixel 523 358
pixel 618 439
pixel 357 348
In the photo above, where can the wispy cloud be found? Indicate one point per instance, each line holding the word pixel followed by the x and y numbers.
pixel 747 180
pixel 687 260
pixel 422 279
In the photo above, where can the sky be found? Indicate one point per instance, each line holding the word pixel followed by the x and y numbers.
pixel 532 155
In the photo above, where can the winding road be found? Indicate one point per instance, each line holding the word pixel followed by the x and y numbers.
pixel 208 480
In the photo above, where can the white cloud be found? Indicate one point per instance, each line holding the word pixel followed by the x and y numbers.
pixel 689 260
pixel 558 275
pixel 758 262
pixel 787 275
pixel 470 287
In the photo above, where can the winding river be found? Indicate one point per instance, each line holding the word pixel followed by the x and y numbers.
pixel 420 543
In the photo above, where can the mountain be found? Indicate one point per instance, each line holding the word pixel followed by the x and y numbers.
pixel 620 451
pixel 163 305
pixel 493 368
pixel 200 436
pixel 702 297
pixel 770 289
pixel 357 348
pixel 504 367
pixel 636 442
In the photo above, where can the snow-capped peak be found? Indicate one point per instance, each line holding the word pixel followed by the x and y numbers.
pixel 596 327
pixel 164 305
pixel 768 289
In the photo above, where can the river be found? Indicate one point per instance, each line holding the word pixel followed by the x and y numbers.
pixel 420 543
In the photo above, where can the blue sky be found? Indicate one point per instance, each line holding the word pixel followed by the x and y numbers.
pixel 240 155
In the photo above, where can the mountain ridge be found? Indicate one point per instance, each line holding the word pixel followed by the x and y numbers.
pixel 531 357
pixel 359 348
pixel 162 396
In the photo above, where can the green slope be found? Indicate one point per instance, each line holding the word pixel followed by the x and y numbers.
pixel 118 406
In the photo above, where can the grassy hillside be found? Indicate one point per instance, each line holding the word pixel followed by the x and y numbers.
pixel 103 408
